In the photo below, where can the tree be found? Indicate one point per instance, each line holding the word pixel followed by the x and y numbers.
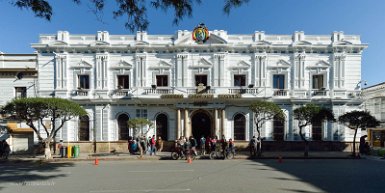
pixel 32 110
pixel 309 114
pixel 134 10
pixel 355 120
pixel 264 111
pixel 137 124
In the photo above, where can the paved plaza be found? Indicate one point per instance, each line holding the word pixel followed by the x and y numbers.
pixel 206 176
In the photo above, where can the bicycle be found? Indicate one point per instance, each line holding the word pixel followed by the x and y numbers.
pixel 178 153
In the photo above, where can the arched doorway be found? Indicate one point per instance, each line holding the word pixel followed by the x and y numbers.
pixel 123 127
pixel 278 129
pixel 201 125
pixel 84 128
pixel 161 126
pixel 239 127
pixel 316 131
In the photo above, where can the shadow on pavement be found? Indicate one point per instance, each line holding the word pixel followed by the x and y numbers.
pixel 332 175
pixel 21 173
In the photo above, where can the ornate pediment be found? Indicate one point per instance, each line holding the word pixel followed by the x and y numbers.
pixel 320 64
pixel 241 65
pixel 202 63
pixel 83 64
pixel 122 65
pixel 281 64
pixel 161 65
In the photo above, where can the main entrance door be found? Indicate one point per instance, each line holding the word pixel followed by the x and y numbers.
pixel 201 124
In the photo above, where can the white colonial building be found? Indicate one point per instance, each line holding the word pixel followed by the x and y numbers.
pixel 18 79
pixel 191 87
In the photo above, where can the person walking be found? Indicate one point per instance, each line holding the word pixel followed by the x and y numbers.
pixel 6 149
pixel 193 145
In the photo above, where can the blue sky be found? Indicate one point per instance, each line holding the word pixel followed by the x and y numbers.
pixel 359 17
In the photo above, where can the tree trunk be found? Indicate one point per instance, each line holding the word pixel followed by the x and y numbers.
pixel 47 150
pixel 354 143
pixel 306 154
pixel 259 145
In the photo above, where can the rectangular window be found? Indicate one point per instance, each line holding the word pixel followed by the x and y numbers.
pixel 279 81
pixel 83 81
pixel 162 80
pixel 20 92
pixel 200 79
pixel 141 113
pixel 240 80
pixel 318 81
pixel 123 82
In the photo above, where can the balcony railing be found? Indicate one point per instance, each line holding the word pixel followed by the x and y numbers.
pixel 197 91
pixel 121 93
pixel 280 93
pixel 243 91
pixel 81 93
pixel 320 92
pixel 158 91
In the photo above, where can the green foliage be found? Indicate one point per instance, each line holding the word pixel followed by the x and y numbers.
pixel 358 119
pixel 40 109
pixel 134 10
pixel 138 122
pixel 311 113
pixel 264 111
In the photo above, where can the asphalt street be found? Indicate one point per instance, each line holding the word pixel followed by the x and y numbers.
pixel 205 176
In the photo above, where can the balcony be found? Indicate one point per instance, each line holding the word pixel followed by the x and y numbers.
pixel 158 91
pixel 280 93
pixel 253 91
pixel 320 93
pixel 81 93
pixel 200 91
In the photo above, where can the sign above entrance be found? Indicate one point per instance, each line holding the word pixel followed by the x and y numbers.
pixel 200 34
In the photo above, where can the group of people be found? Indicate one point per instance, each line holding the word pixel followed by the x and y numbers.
pixel 205 144
pixel 4 149
pixel 149 145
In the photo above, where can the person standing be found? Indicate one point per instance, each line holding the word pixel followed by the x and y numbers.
pixel 203 145
pixel 152 145
pixel 159 144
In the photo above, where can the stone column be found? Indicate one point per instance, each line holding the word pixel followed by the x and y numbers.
pixel 216 125
pixel 186 129
pixel 223 129
pixel 178 129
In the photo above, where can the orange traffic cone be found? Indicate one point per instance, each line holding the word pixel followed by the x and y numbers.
pixel 189 160
pixel 96 161
pixel 280 159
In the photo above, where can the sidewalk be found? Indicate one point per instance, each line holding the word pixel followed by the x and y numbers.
pixel 167 156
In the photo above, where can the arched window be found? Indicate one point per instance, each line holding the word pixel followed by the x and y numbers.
pixel 316 131
pixel 123 127
pixel 84 128
pixel 161 126
pixel 239 127
pixel 278 129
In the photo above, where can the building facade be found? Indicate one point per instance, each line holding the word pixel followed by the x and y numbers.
pixel 18 79
pixel 198 82
pixel 374 102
